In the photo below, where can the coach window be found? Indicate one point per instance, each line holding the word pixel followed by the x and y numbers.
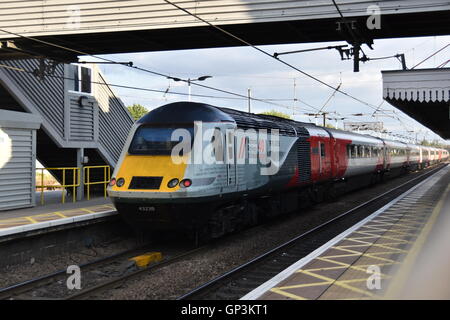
pixel 247 148
pixel 322 150
pixel 350 151
pixel 360 151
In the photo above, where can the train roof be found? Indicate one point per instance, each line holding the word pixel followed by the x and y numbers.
pixel 263 121
pixel 185 112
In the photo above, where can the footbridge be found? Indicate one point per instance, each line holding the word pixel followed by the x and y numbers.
pixel 113 26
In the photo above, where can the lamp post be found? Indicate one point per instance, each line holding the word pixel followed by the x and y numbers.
pixel 189 80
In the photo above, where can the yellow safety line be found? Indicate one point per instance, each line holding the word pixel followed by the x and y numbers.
pixel 384 237
pixel 366 245
pixel 343 255
pixel 362 255
pixel 287 294
pixel 362 238
pixel 31 219
pixel 383 245
pixel 87 210
pixel 358 267
pixel 305 285
pixel 399 225
pixel 342 284
pixel 18 219
pixel 374 245
pixel 401 233
pixel 58 213
pixel 405 269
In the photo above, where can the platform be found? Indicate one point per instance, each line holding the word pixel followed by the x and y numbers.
pixel 398 252
pixel 53 214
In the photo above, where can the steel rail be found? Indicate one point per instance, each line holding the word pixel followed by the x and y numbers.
pixel 29 285
pixel 83 294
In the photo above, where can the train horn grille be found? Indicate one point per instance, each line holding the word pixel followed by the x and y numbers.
pixel 148 183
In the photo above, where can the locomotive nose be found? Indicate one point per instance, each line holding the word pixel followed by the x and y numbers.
pixel 148 173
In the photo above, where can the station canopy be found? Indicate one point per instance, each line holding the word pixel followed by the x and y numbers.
pixel 423 94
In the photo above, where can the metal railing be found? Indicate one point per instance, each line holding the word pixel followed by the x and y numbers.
pixel 75 171
pixel 87 178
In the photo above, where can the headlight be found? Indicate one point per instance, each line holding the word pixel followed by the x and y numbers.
pixel 173 183
pixel 120 182
pixel 112 182
pixel 185 183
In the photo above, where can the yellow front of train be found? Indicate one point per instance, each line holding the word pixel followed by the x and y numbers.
pixel 147 176
pixel 148 165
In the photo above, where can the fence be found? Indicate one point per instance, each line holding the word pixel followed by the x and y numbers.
pixel 88 182
pixel 74 173
pixel 75 182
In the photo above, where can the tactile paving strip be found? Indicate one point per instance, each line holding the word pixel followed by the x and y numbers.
pixel 344 270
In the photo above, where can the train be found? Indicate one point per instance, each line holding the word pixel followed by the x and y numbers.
pixel 197 168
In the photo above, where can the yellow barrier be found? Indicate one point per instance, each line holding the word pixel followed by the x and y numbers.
pixel 105 181
pixel 75 178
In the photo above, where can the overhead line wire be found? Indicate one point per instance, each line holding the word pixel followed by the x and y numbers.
pixel 143 69
pixel 269 55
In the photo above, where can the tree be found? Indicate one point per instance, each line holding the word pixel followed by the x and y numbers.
pixel 137 111
pixel 277 114
pixel 434 143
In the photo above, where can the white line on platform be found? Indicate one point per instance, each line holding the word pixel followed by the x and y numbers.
pixel 266 286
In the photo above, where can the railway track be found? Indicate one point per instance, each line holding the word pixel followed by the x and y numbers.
pixel 89 292
pixel 239 281
pixel 231 285
pixel 40 288
pixel 24 290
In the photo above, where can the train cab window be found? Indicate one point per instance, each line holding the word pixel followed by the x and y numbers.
pixel 157 140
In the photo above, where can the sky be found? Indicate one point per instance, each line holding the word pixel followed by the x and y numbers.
pixel 238 69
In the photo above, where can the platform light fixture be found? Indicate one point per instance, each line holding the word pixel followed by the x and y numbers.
pixel 189 80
